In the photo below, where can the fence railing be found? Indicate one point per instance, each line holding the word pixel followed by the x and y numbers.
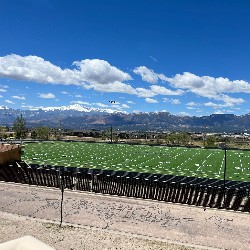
pixel 235 195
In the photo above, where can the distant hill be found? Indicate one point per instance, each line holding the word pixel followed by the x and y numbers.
pixel 79 117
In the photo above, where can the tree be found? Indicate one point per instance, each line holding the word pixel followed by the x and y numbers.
pixel 19 127
pixel 42 133
pixel 33 134
pixel 2 132
pixel 116 138
pixel 185 138
pixel 210 142
pixel 171 138
pixel 105 134
pixel 181 138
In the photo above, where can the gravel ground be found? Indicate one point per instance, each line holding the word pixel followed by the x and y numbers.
pixel 95 221
pixel 70 237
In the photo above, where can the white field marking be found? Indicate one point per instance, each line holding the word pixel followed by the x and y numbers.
pixel 221 166
pixel 188 159
pixel 203 163
pixel 241 163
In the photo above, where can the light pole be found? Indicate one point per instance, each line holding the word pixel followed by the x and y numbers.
pixel 111 136
pixel 111 129
pixel 60 124
pixel 62 191
pixel 224 147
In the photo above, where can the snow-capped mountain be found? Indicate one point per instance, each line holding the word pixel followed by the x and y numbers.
pixel 4 107
pixel 77 116
pixel 79 108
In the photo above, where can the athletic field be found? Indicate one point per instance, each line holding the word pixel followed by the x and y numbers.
pixel 142 158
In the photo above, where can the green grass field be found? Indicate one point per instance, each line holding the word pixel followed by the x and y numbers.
pixel 142 158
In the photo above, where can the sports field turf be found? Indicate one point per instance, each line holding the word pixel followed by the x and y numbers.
pixel 142 158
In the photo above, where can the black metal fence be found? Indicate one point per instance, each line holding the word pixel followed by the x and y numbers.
pixel 178 189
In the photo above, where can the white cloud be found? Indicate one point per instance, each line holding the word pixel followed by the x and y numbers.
pixel 198 110
pixel 148 75
pixel 78 96
pixel 150 100
pixel 141 92
pixel 18 97
pixel 80 102
pixel 153 58
pixel 47 96
pixel 9 101
pixel 208 86
pixel 88 73
pixel 1 96
pixel 192 104
pixel 100 71
pixel 228 102
pixel 205 86
pixel 100 76
pixel 218 112
pixel 212 104
pixel 173 101
pixel 4 86
pixel 117 87
pixel 216 105
pixel 136 111
pixel 130 102
pixel 64 92
pixel 116 106
pixel 34 68
pixel 156 90
pixel 160 90
pixel 125 106
pixel 184 114
pixel 101 105
pixel 229 111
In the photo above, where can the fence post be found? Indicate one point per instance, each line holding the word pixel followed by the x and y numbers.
pixel 62 191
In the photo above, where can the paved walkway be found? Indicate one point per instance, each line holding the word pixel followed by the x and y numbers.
pixel 166 221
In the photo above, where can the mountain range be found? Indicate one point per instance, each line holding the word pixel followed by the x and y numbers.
pixel 79 117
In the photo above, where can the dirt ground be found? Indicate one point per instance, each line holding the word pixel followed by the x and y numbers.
pixel 93 221
pixel 74 237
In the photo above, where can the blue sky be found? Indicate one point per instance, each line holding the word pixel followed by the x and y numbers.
pixel 184 57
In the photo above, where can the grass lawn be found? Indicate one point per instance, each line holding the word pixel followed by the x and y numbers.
pixel 141 158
